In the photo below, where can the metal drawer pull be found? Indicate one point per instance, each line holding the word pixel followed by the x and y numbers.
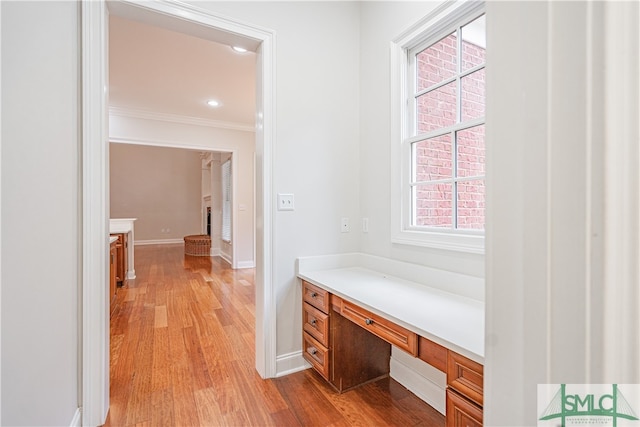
pixel 368 321
pixel 313 295
pixel 313 351
pixel 313 322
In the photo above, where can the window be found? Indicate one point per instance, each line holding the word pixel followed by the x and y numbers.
pixel 226 201
pixel 440 143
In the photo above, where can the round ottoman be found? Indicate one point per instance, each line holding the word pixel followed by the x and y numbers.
pixel 197 245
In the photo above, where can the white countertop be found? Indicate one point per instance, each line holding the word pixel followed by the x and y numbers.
pixel 121 225
pixel 112 239
pixel 456 322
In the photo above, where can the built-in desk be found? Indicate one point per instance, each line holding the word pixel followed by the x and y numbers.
pixel 352 315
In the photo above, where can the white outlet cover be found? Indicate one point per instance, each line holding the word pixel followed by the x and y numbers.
pixel 285 202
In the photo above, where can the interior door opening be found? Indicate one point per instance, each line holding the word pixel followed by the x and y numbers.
pixel 95 367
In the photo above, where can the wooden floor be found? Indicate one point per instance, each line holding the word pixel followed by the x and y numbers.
pixel 182 354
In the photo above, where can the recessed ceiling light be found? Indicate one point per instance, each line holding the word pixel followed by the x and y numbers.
pixel 239 49
pixel 213 103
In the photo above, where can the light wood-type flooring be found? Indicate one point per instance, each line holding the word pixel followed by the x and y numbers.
pixel 182 354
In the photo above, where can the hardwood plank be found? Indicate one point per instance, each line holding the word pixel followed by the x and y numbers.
pixel 160 319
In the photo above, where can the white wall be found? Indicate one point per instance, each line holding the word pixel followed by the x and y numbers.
pixel 563 185
pixel 317 137
pixel 381 23
pixel 40 212
pixel 162 133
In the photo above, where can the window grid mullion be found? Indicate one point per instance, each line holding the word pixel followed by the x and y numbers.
pixel 454 134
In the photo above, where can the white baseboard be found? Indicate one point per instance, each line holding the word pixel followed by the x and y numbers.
pixel 225 257
pixel 131 274
pixel 246 264
pixel 289 363
pixel 420 378
pixel 214 252
pixel 76 421
pixel 158 242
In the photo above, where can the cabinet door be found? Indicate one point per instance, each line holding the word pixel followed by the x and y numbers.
pixel 462 412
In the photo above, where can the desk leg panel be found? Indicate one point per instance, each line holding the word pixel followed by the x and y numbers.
pixel 357 356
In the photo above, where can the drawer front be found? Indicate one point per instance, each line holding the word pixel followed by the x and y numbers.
pixel 316 354
pixel 465 376
pixel 462 412
pixel 434 354
pixel 316 323
pixel 388 331
pixel 317 297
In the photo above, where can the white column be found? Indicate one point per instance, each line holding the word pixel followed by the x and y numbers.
pixel 562 200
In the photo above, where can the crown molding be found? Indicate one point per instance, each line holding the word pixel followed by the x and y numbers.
pixel 176 118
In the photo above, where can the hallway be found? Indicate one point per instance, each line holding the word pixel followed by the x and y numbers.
pixel 182 354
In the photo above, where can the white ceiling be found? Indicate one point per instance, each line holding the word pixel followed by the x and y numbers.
pixel 162 71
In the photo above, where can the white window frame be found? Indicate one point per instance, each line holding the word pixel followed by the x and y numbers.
pixel 435 26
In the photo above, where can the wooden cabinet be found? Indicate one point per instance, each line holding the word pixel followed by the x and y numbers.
pixel 122 245
pixel 350 346
pixel 388 331
pixel 112 275
pixel 461 412
pixel 316 320
pixel 465 391
pixel 465 376
pixel 345 354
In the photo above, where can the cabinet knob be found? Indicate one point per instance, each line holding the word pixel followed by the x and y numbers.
pixel 313 351
pixel 313 295
pixel 368 321
pixel 313 322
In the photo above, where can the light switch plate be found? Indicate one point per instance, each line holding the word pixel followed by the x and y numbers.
pixel 344 225
pixel 285 202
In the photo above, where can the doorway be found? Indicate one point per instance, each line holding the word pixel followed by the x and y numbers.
pixel 95 325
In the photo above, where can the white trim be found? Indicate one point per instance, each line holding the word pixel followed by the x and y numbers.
pixel 76 421
pixel 225 257
pixel 431 25
pixel 621 335
pixel 175 118
pixel 245 264
pixel 170 144
pixel 95 336
pixel 0 220
pixel 95 224
pixel 290 363
pixel 159 242
pixel 420 378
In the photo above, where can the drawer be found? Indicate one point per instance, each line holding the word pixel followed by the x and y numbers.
pixel 316 354
pixel 462 412
pixel 317 297
pixel 465 376
pixel 434 354
pixel 315 323
pixel 388 331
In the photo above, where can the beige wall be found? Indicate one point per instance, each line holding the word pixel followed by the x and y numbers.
pixel 158 185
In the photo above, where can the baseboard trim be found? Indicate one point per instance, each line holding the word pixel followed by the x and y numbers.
pixel 246 264
pixel 158 242
pixel 76 421
pixel 426 382
pixel 289 363
pixel 225 257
